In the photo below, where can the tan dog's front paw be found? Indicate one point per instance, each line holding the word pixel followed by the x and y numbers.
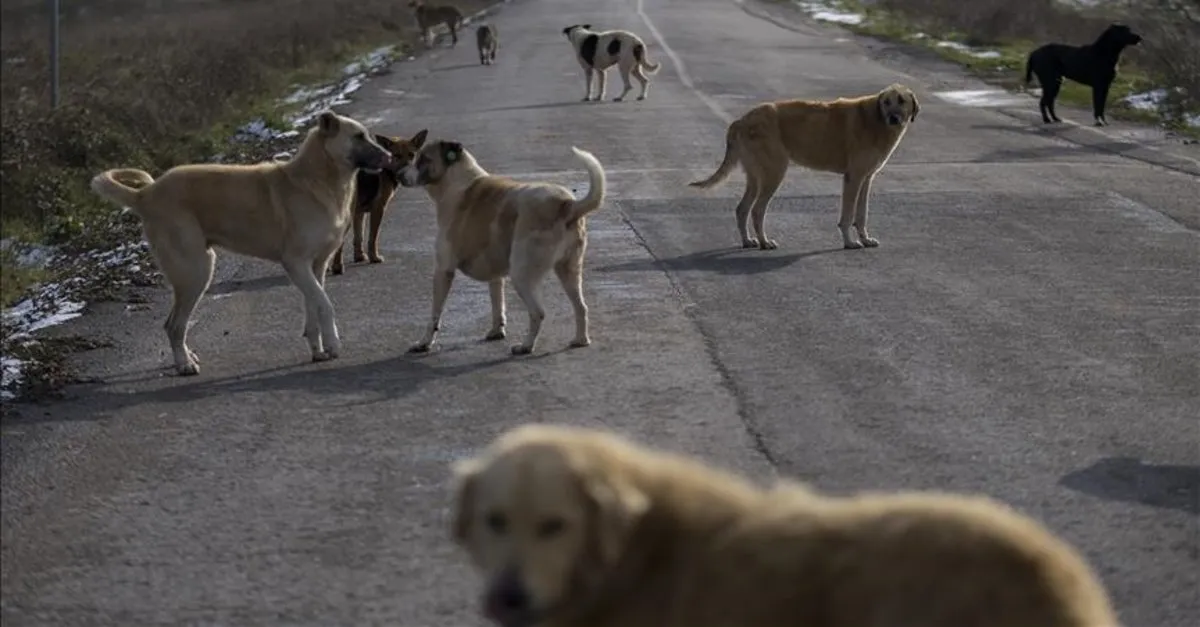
pixel 189 369
pixel 768 244
pixel 494 334
pixel 852 245
pixel 377 258
pixel 521 349
pixel 750 243
pixel 420 347
pixel 580 342
pixel 870 242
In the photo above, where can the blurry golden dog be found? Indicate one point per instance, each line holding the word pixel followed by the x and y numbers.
pixel 293 212
pixel 853 137
pixel 578 527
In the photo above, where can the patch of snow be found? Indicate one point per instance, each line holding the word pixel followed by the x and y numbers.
pixel 12 372
pixel 824 11
pixel 982 97
pixel 1154 100
pixel 965 49
pixel 28 255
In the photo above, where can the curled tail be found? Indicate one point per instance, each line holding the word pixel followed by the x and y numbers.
pixel 639 54
pixel 597 181
pixel 110 184
pixel 727 162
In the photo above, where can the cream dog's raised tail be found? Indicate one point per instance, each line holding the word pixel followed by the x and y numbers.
pixel 639 53
pixel 597 181
pixel 727 163
pixel 106 185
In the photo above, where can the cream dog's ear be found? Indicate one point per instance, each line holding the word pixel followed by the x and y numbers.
pixel 466 475
pixel 916 106
pixel 616 508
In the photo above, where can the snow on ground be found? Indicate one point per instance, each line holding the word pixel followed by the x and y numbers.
pixel 1153 100
pixel 965 49
pixel 825 11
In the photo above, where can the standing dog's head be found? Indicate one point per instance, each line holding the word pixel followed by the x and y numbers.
pixel 570 30
pixel 1116 37
pixel 403 150
pixel 348 142
pixel 544 515
pixel 433 162
pixel 898 105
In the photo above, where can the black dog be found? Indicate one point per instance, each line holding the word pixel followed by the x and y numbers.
pixel 1094 65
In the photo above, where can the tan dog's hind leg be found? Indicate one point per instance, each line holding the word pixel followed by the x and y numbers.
pixel 743 210
pixel 442 280
pixel 570 274
pixel 624 67
pixel 373 242
pixel 526 276
pixel 772 173
pixel 851 186
pixel 499 319
pixel 357 219
pixel 640 74
pixel 189 274
pixel 320 328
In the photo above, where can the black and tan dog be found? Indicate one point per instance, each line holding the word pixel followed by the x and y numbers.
pixel 487 40
pixel 853 137
pixel 372 193
pixel 430 16
pixel 1094 65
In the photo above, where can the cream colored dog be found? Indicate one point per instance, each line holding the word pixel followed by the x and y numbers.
pixel 490 227
pixel 853 137
pixel 294 212
pixel 575 527
pixel 598 51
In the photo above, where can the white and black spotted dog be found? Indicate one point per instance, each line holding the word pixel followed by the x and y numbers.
pixel 598 51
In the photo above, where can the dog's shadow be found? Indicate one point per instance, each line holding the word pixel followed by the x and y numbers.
pixel 1131 480
pixel 460 66
pixel 726 261
pixel 234 286
pixel 544 105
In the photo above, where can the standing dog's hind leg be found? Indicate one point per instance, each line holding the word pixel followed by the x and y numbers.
pixel 624 69
pixel 743 210
pixel 570 274
pixel 640 74
pixel 499 319
pixel 587 84
pixel 602 83
pixel 526 278
pixel 373 242
pixel 189 279
pixel 772 178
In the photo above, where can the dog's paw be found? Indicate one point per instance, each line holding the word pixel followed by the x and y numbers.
pixel 189 369
pixel 322 356
pixel 586 99
pixel 419 348
pixel 377 258
pixel 641 97
pixel 195 358
pixel 1101 122
pixel 618 98
pixel 336 270
pixel 750 243
pixel 852 245
pixel 580 342
pixel 494 334
pixel 870 242
pixel 360 257
pixel 768 244
pixel 521 349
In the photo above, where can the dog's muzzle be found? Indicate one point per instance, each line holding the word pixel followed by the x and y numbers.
pixel 894 120
pixel 507 602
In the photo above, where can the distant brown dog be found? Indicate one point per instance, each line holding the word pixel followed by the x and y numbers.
pixel 853 137
pixel 430 16
pixel 294 212
pixel 372 193
pixel 572 526
pixel 487 40
pixel 490 227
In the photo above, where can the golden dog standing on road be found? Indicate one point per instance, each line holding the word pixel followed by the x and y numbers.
pixel 581 528
pixel 294 212
pixel 853 137
pixel 490 227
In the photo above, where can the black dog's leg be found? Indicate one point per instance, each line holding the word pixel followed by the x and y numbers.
pixel 1099 99
pixel 1049 95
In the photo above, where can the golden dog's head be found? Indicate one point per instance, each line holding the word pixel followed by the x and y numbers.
pixel 544 518
pixel 432 162
pixel 898 105
pixel 349 143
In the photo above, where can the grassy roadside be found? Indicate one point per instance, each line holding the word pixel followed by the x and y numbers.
pixel 147 89
pixel 998 57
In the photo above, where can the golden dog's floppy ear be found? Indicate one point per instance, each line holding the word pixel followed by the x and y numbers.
pixel 466 475
pixel 916 107
pixel 616 506
pixel 328 122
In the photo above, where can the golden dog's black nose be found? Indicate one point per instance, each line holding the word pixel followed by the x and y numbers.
pixel 507 600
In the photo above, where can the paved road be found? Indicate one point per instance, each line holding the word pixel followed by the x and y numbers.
pixel 1028 329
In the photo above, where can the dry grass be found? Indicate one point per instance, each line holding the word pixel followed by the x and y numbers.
pixel 155 83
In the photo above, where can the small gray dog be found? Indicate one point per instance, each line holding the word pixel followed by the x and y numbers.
pixel 487 41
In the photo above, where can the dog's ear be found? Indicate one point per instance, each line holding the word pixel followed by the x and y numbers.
pixel 328 122
pixel 879 108
pixel 916 106
pixel 451 152
pixel 466 475
pixel 384 140
pixel 418 140
pixel 616 506
pixel 588 26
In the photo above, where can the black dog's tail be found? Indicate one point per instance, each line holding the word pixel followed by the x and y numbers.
pixel 1029 69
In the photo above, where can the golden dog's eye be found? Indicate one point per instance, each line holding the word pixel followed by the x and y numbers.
pixel 551 527
pixel 496 522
